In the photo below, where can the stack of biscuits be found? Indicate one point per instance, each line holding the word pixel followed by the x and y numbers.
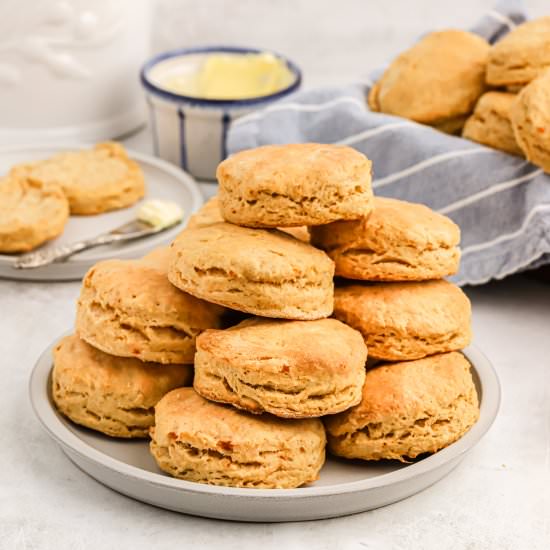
pixel 496 95
pixel 269 391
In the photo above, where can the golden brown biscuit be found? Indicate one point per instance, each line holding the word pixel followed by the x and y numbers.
pixel 293 185
pixel 94 181
pixel 113 395
pixel 130 309
pixel 400 241
pixel 30 214
pixel 408 409
pixel 435 82
pixel 292 369
pixel 201 441
pixel 402 321
pixel 258 271
pixel 521 55
pixel 530 116
pixel 490 123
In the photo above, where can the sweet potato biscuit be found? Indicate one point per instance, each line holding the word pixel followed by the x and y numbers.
pixel 293 185
pixel 130 309
pixel 490 123
pixel 408 409
pixel 521 56
pixel 197 440
pixel 113 395
pixel 258 271
pixel 30 213
pixel 292 369
pixel 400 241
pixel 402 321
pixel 94 181
pixel 435 82
pixel 530 115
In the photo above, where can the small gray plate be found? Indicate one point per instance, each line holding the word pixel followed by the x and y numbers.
pixel 344 487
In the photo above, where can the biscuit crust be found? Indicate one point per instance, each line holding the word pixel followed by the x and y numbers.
pixel 294 185
pixel 400 241
pixel 30 214
pixel 113 395
pixel 201 441
pixel 292 369
pixel 402 321
pixel 94 181
pixel 407 409
pixel 130 309
pixel 263 272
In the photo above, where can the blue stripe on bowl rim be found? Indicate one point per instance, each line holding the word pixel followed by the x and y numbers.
pixel 222 103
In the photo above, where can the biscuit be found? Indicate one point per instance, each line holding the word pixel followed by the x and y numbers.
pixel 407 409
pixel 435 82
pixel 400 241
pixel 30 214
pixel 130 309
pixel 258 271
pixel 530 116
pixel 292 369
pixel 293 185
pixel 490 123
pixel 210 213
pixel 521 56
pixel 113 395
pixel 402 321
pixel 94 181
pixel 200 441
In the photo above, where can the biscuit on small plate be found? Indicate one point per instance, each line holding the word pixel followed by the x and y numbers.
pixel 113 395
pixel 490 122
pixel 197 440
pixel 410 320
pixel 258 271
pixel 30 213
pixel 521 56
pixel 400 241
pixel 292 369
pixel 293 185
pixel 94 180
pixel 436 82
pixel 129 308
pixel 407 409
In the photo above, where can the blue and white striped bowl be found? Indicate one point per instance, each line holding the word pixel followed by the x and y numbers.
pixel 191 132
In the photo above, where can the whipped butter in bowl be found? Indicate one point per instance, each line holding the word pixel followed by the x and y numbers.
pixel 194 94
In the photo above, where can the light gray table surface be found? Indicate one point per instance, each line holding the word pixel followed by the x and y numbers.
pixel 498 498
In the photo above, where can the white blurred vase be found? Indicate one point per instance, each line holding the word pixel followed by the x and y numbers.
pixel 69 69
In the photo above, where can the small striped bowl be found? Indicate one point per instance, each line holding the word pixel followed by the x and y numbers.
pixel 191 132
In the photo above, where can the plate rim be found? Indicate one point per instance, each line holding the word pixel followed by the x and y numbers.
pixel 48 417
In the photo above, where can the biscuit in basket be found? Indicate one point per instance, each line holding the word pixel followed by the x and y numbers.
pixel 530 115
pixel 400 241
pixel 490 123
pixel 30 213
pixel 258 271
pixel 293 185
pixel 113 395
pixel 292 369
pixel 197 440
pixel 407 409
pixel 521 56
pixel 94 180
pixel 410 320
pixel 130 309
pixel 436 82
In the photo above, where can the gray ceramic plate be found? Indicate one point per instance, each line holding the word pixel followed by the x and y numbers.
pixel 163 180
pixel 344 487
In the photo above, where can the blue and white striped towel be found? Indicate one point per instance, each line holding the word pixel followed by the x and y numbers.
pixel 500 202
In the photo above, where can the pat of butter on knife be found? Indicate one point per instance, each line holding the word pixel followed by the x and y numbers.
pixel 159 213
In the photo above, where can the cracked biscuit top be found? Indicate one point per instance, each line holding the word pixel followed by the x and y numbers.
pixel 293 185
